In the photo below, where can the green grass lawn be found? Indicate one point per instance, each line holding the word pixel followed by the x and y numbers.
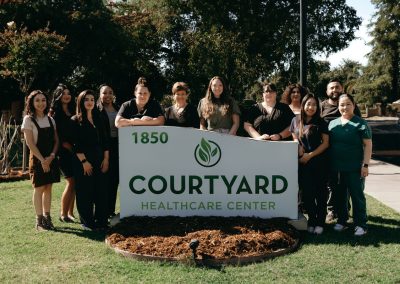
pixel 74 256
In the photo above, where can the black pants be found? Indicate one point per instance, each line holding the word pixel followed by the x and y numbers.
pixel 113 174
pixel 312 181
pixel 91 193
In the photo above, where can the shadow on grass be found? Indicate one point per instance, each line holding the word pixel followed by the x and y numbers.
pixel 92 235
pixel 380 231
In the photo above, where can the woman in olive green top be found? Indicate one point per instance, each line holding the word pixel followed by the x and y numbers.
pixel 217 110
pixel 351 148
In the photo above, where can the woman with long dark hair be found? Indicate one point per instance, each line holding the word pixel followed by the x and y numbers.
pixel 91 145
pixel 218 111
pixel 311 132
pixel 62 109
pixel 41 137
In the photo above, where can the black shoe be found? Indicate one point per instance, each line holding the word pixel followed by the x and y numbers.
pixel 47 223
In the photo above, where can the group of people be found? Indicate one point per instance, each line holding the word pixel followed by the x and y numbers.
pixel 334 142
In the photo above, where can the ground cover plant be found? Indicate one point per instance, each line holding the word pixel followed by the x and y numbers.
pixel 71 255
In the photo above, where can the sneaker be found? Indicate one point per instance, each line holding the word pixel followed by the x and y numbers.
pixel 339 227
pixel 359 231
pixel 318 230
pixel 310 229
pixel 47 223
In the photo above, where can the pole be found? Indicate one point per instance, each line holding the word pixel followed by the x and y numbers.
pixel 303 43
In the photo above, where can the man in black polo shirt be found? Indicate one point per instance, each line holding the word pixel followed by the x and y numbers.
pixel 330 111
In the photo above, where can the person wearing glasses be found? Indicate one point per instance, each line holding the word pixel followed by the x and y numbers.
pixel 181 113
pixel 142 110
pixel 269 120
pixel 292 96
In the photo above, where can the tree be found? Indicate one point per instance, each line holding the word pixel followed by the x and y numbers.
pixel 29 55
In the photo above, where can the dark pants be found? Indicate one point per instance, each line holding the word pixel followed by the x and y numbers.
pixel 91 193
pixel 113 176
pixel 312 180
pixel 351 183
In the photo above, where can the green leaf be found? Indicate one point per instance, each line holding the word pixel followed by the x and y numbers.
pixel 205 146
pixel 203 156
pixel 214 152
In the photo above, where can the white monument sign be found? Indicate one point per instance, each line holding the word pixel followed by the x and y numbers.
pixel 188 172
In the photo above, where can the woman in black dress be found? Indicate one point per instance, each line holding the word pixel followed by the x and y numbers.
pixel 42 139
pixel 62 109
pixel 181 113
pixel 91 145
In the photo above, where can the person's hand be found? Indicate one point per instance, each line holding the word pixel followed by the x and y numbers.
pixel 133 120
pixel 364 172
pixel 104 165
pixel 87 168
pixel 263 137
pixel 146 118
pixel 45 165
pixel 275 137
pixel 305 158
pixel 301 151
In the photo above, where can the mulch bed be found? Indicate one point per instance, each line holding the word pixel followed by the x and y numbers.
pixel 237 240
pixel 14 176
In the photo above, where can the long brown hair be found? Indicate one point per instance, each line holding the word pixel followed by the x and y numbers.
pixel 211 102
pixel 29 108
pixel 81 112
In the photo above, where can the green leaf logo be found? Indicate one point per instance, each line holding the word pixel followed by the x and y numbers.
pixel 207 153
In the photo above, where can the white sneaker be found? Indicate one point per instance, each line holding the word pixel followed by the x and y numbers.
pixel 359 231
pixel 318 230
pixel 310 229
pixel 339 227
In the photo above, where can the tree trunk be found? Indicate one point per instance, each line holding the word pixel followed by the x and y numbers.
pixel 395 71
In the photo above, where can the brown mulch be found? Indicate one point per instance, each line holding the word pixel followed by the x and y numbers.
pixel 14 176
pixel 219 238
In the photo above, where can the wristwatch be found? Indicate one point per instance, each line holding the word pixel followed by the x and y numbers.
pixel 83 161
pixel 365 165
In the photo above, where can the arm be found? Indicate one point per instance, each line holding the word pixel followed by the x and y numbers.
pixel 301 149
pixel 320 149
pixel 121 122
pixel 235 125
pixel 367 156
pixel 150 121
pixel 281 135
pixel 203 124
pixel 254 133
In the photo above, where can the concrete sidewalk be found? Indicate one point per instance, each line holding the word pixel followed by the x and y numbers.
pixel 383 183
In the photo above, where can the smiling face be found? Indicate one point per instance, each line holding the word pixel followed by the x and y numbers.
pixel 106 95
pixel 334 90
pixel 66 97
pixel 142 95
pixel 269 95
pixel 89 102
pixel 39 103
pixel 180 97
pixel 295 95
pixel 310 107
pixel 346 107
pixel 217 88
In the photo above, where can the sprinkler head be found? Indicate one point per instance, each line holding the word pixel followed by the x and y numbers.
pixel 194 244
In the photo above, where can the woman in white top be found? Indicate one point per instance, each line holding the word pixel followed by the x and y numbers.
pixel 42 139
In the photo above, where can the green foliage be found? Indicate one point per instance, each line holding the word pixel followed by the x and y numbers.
pixel 29 55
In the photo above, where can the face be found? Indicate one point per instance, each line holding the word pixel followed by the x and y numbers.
pixel 334 90
pixel 346 107
pixel 269 95
pixel 39 103
pixel 217 88
pixel 106 95
pixel 180 97
pixel 295 95
pixel 89 102
pixel 66 97
pixel 142 95
pixel 310 108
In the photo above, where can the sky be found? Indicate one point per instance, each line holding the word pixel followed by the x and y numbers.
pixel 358 48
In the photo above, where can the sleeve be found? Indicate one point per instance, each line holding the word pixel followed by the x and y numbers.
pixel 54 123
pixel 123 111
pixel 104 127
pixel 199 108
pixel 235 107
pixel 293 125
pixel 366 132
pixel 287 115
pixel 252 114
pixel 324 126
pixel 194 120
pixel 157 109
pixel 75 135
pixel 27 123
